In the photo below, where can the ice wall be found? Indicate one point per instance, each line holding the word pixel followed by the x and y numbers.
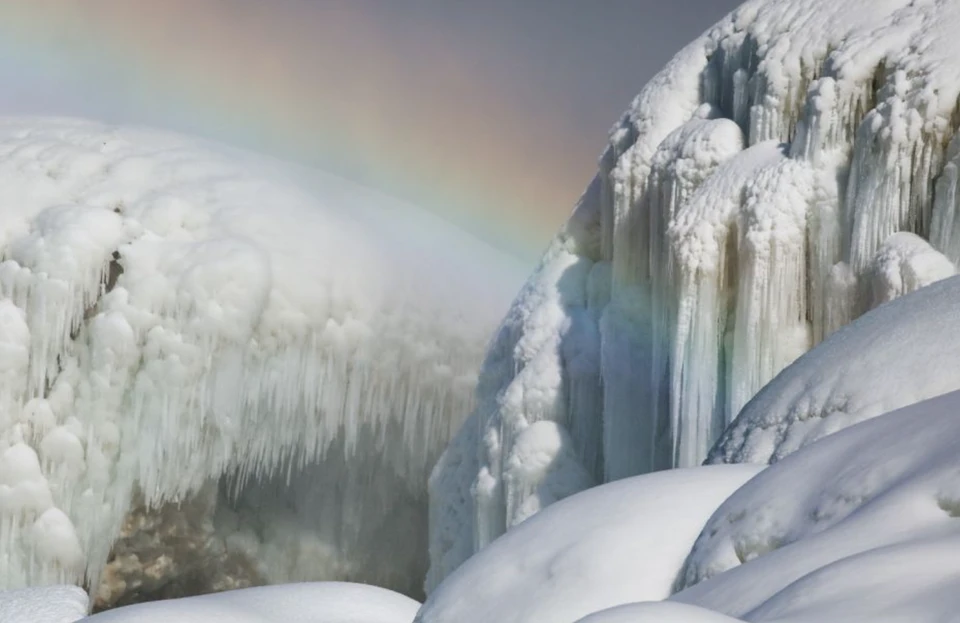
pixel 172 311
pixel 789 170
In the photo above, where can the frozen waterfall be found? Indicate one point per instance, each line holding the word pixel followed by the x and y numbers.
pixel 787 171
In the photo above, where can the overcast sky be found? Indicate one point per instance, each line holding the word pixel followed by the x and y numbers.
pixel 492 107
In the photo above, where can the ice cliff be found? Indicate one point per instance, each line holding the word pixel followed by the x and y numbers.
pixel 791 169
pixel 172 311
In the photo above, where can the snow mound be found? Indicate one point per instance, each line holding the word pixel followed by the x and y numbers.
pixel 860 526
pixel 322 602
pixel 657 612
pixel 43 604
pixel 792 168
pixel 171 311
pixel 901 353
pixel 617 543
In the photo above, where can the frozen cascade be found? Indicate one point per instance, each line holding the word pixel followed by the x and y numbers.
pixel 787 171
pixel 173 311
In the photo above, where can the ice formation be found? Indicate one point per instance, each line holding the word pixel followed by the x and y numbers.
pixel 172 311
pixel 786 172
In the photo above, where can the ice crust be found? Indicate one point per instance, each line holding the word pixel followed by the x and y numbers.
pixel 786 172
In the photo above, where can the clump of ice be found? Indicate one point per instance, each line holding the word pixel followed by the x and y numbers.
pixel 172 311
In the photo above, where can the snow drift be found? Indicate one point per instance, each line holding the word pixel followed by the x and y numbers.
pixel 791 169
pixel 618 543
pixel 172 311
pixel 861 525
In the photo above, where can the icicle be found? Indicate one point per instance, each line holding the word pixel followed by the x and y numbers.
pixel 904 263
pixel 771 318
pixel 703 241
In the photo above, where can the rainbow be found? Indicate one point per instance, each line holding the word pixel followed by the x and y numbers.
pixel 316 83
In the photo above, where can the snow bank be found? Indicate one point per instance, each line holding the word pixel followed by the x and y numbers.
pixel 324 602
pixel 618 543
pixel 786 172
pixel 171 311
pixel 43 604
pixel 860 526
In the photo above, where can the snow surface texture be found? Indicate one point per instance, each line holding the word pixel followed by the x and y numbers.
pixel 171 311
pixel 787 171
pixel 862 525
pixel 45 604
pixel 618 543
pixel 324 602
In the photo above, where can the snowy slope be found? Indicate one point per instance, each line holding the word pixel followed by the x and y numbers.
pixel 321 602
pixel 618 543
pixel 861 525
pixel 791 169
pixel 171 311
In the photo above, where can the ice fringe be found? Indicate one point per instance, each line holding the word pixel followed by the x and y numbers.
pixel 777 179
pixel 172 311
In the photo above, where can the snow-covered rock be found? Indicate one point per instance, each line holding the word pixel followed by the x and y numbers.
pixel 861 525
pixel 792 168
pixel 320 602
pixel 618 543
pixel 173 311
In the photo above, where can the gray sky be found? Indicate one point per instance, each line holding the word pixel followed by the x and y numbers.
pixel 491 112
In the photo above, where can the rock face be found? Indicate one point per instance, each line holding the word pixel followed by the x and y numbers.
pixel 794 167
pixel 172 551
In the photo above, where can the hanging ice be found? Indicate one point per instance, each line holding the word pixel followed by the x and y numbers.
pixel 172 311
pixel 786 172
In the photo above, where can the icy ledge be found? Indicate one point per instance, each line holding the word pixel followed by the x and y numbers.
pixel 786 172
pixel 171 311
